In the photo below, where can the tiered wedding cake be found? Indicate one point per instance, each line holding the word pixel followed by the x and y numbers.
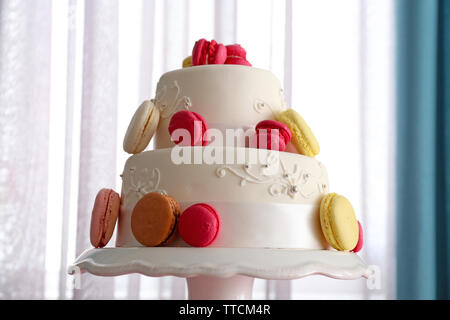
pixel 246 170
pixel 275 210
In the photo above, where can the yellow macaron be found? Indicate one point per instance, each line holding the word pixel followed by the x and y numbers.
pixel 338 222
pixel 302 136
pixel 187 62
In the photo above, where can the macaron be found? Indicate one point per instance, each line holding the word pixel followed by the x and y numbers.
pixel 217 53
pixel 199 225
pixel 104 217
pixel 194 126
pixel 238 60
pixel 269 131
pixel 302 136
pixel 360 243
pixel 154 219
pixel 206 52
pixel 142 127
pixel 269 141
pixel 236 55
pixel 187 62
pixel 338 222
pixel 235 50
pixel 199 52
pixel 269 125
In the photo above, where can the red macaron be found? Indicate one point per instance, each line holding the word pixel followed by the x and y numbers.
pixel 269 141
pixel 211 52
pixel 360 242
pixel 235 50
pixel 238 60
pixel 199 52
pixel 199 225
pixel 217 53
pixel 272 135
pixel 205 52
pixel 236 55
pixel 194 126
pixel 275 125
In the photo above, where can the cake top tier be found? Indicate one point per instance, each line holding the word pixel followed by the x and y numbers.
pixel 226 96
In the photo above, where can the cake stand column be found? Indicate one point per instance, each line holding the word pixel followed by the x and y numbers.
pixel 237 287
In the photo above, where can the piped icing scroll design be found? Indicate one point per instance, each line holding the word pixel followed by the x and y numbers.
pixel 291 183
pixel 281 182
pixel 323 187
pixel 260 105
pixel 169 100
pixel 145 182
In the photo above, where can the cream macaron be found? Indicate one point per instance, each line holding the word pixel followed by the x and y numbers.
pixel 141 128
pixel 338 222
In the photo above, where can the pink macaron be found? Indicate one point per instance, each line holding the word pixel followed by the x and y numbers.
pixel 272 135
pixel 236 55
pixel 269 141
pixel 217 53
pixel 193 125
pixel 199 52
pixel 235 50
pixel 206 52
pixel 269 125
pixel 360 242
pixel 104 217
pixel 238 60
pixel 199 225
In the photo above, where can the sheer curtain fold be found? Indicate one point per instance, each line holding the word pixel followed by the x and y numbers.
pixel 25 32
pixel 116 52
pixel 225 28
pixel 146 54
pixel 98 125
pixel 377 140
pixel 69 144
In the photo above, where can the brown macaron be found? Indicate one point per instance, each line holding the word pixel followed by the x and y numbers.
pixel 154 219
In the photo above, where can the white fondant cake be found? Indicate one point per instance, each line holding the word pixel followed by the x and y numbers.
pixel 265 198
pixel 269 199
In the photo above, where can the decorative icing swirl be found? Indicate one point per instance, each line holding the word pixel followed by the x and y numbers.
pixel 260 105
pixel 144 184
pixel 282 182
pixel 169 100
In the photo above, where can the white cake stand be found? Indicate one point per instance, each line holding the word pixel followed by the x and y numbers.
pixel 221 273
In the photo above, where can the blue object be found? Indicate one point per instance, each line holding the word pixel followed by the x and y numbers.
pixel 423 149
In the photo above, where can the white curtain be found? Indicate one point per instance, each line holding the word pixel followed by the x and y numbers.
pixel 72 73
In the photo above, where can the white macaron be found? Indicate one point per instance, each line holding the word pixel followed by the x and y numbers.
pixel 141 128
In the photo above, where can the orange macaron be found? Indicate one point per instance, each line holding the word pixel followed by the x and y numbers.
pixel 154 219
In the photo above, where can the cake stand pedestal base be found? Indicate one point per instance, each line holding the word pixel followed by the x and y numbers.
pixel 214 288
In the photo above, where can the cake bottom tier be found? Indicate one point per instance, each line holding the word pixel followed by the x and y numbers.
pixel 252 225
